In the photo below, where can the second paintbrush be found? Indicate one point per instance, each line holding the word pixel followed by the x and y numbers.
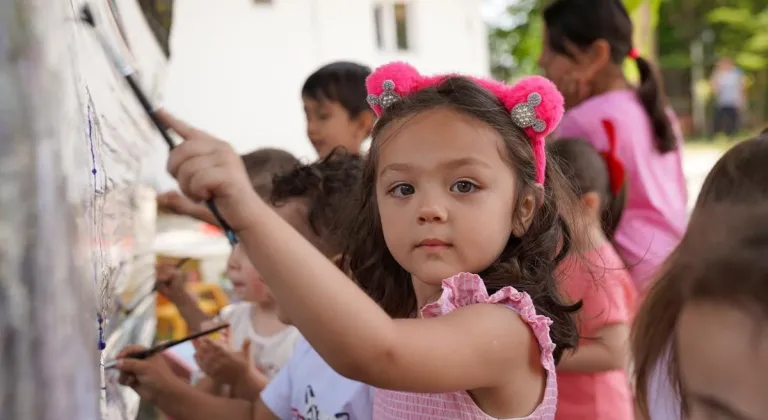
pixel 165 346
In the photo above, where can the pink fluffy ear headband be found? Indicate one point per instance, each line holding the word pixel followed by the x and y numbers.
pixel 534 103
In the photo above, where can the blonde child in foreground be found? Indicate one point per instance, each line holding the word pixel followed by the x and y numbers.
pixel 253 320
pixel 456 187
pixel 592 381
pixel 313 199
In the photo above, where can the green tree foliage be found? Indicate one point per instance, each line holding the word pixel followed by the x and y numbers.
pixel 516 47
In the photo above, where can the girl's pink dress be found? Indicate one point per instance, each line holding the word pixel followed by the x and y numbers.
pixel 459 291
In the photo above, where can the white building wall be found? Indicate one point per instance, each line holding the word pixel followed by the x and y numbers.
pixel 237 67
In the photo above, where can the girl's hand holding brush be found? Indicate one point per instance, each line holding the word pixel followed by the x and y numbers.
pixel 207 168
pixel 149 377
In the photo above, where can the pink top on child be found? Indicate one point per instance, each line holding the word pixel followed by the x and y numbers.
pixel 459 291
pixel 599 280
pixel 655 215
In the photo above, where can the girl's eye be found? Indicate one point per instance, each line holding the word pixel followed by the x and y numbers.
pixel 463 187
pixel 402 190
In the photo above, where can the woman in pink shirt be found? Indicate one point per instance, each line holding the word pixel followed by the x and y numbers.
pixel 585 44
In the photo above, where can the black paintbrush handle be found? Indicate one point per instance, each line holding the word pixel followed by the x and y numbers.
pixel 131 79
pixel 165 346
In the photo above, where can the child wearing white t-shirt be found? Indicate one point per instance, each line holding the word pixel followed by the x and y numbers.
pixel 312 199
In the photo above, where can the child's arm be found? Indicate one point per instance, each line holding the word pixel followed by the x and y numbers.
pixel 363 343
pixel 170 283
pixel 191 404
pixel 176 203
pixel 459 351
pixel 607 350
pixel 250 384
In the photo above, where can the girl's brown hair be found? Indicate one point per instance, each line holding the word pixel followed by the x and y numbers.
pixel 527 263
pixel 740 177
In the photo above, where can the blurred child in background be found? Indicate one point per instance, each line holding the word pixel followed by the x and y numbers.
pixel 592 380
pixel 253 321
pixel 261 165
pixel 313 199
pixel 335 107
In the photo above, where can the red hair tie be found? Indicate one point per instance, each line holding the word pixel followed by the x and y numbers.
pixel 612 162
pixel 634 54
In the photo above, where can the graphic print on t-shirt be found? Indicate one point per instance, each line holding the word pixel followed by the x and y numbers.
pixel 312 411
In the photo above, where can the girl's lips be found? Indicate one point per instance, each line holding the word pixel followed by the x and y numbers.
pixel 432 243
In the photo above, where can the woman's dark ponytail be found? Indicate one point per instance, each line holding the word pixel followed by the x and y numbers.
pixel 651 95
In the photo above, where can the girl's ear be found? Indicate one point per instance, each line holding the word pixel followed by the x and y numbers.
pixel 530 201
pixel 365 122
pixel 598 55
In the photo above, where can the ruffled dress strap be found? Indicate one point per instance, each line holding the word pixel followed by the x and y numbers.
pixel 467 289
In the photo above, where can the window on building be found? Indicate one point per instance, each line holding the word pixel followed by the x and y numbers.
pixel 392 24
pixel 378 22
pixel 401 25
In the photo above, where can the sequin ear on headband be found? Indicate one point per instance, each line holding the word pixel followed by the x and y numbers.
pixel 389 83
pixel 536 106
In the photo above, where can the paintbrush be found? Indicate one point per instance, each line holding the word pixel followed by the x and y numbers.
pixel 145 354
pixel 127 71
pixel 130 310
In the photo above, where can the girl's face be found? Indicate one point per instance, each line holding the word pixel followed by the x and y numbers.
pixel 723 358
pixel 246 281
pixel 575 75
pixel 446 196
pixel 554 64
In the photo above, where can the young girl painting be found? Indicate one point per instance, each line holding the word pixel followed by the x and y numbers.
pixel 456 240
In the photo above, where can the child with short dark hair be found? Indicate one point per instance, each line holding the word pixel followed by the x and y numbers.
pixel 592 381
pixel 335 107
pixel 313 200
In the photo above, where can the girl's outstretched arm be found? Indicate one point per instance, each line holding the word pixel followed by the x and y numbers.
pixel 482 344
pixel 475 347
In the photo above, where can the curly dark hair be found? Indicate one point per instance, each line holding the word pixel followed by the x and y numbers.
pixel 327 186
pixel 528 263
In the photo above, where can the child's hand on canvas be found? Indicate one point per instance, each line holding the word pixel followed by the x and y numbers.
pixel 150 378
pixel 208 168
pixel 220 363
